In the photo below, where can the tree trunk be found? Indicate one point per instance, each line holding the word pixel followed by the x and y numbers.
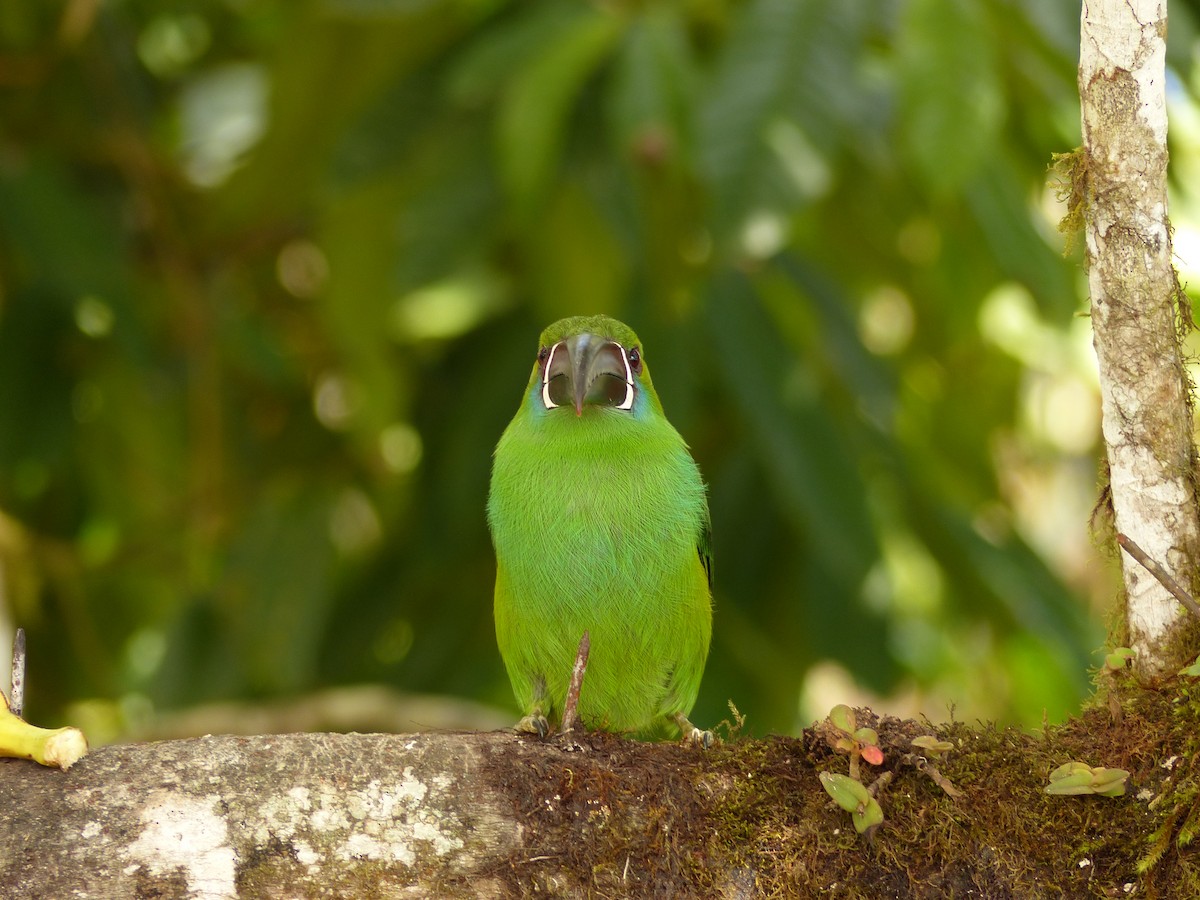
pixel 1145 398
pixel 595 815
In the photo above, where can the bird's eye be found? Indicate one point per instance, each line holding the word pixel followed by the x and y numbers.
pixel 635 361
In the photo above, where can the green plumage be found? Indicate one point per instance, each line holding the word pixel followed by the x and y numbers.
pixel 600 523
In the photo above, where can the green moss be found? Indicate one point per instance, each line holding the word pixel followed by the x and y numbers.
pixel 1069 174
pixel 643 819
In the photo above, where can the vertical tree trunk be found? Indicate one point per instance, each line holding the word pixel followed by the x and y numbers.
pixel 1146 406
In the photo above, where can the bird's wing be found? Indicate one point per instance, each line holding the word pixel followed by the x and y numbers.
pixel 704 546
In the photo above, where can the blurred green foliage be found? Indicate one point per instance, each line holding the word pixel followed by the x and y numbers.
pixel 273 271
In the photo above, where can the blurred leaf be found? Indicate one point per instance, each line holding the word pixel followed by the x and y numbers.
pixel 533 116
pixel 865 376
pixel 347 61
pixel 35 406
pixel 580 265
pixel 1028 591
pixel 953 103
pixel 997 201
pixel 653 88
pixel 276 591
pixel 798 444
pixel 754 77
pixel 49 217
pixel 1060 634
pixel 479 73
pixel 430 209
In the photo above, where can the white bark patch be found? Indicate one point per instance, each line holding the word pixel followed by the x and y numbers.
pixel 1130 35
pixel 184 834
pixel 390 819
pixel 306 855
pixel 383 821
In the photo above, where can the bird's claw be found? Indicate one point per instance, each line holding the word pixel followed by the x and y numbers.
pixel 693 736
pixel 534 723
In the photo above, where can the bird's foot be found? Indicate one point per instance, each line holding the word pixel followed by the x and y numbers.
pixel 534 723
pixel 692 735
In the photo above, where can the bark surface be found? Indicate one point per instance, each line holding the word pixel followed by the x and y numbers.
pixel 1147 416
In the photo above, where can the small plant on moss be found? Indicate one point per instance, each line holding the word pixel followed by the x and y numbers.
pixel 1118 659
pixel 1075 778
pixel 926 748
pixel 842 733
pixel 931 746
pixel 854 798
pixel 733 729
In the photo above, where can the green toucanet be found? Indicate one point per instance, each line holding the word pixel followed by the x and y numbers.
pixel 600 524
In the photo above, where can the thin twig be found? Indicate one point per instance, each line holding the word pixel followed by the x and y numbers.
pixel 571 707
pixel 924 765
pixel 877 786
pixel 17 700
pixel 1159 573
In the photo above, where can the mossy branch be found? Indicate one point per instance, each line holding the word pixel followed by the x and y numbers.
pixel 498 814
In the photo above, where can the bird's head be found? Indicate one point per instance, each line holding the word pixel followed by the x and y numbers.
pixel 591 362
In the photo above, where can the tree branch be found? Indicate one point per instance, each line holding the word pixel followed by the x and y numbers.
pixel 499 814
pixel 1164 577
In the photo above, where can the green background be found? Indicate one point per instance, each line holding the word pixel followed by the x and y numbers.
pixel 272 275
